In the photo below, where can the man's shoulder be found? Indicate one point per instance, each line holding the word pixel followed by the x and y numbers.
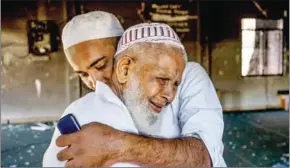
pixel 190 65
pixel 193 67
pixel 87 99
pixel 81 103
pixel 194 79
pixel 193 71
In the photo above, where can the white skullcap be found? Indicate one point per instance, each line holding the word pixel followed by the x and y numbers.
pixel 90 26
pixel 149 32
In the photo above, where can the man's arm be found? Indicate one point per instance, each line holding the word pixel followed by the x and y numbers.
pixel 97 144
pixel 49 157
pixel 145 151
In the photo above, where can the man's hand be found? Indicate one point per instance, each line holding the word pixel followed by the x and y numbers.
pixel 100 145
pixel 93 145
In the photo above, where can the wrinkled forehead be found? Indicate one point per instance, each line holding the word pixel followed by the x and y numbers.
pixel 166 63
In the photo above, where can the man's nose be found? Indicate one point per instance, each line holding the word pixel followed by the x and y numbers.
pixel 169 93
pixel 93 77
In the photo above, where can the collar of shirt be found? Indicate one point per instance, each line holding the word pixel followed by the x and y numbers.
pixel 106 92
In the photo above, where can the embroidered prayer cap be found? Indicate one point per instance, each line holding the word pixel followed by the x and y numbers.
pixel 149 32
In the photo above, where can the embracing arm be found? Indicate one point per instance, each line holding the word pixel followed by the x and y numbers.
pixel 49 158
pixel 187 151
pixel 97 144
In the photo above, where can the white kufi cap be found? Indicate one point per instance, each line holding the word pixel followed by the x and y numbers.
pixel 90 26
pixel 149 32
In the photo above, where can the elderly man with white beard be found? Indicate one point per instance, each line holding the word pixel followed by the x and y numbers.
pixel 154 75
pixel 147 73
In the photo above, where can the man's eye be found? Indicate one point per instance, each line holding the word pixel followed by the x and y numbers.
pixel 162 81
pixel 176 84
pixel 84 75
pixel 101 66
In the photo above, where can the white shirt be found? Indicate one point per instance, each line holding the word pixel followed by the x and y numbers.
pixel 101 106
pixel 195 111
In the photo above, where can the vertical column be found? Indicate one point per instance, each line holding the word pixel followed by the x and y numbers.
pixel 67 67
pixel 41 10
pixel 64 10
pixel 198 44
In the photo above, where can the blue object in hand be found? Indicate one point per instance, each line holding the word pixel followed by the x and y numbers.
pixel 68 124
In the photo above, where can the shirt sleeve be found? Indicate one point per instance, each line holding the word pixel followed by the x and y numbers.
pixel 200 112
pixel 49 158
pixel 50 155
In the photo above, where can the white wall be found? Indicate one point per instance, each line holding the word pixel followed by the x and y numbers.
pixel 19 99
pixel 242 93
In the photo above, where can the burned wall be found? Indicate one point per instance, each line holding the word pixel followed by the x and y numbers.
pixel 223 26
pixel 32 89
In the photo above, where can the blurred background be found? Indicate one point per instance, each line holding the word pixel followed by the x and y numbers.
pixel 243 45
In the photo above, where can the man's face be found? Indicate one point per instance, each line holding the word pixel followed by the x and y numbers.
pixel 92 60
pixel 152 85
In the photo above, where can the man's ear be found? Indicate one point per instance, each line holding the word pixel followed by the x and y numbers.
pixel 123 67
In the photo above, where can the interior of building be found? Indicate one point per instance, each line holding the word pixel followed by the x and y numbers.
pixel 243 46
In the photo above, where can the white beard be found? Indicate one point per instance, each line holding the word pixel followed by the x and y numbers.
pixel 146 121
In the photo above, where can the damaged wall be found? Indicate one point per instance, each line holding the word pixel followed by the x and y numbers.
pixel 22 74
pixel 131 13
pixel 243 93
pixel 222 23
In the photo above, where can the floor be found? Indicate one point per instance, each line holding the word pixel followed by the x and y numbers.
pixel 256 139
pixel 252 139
